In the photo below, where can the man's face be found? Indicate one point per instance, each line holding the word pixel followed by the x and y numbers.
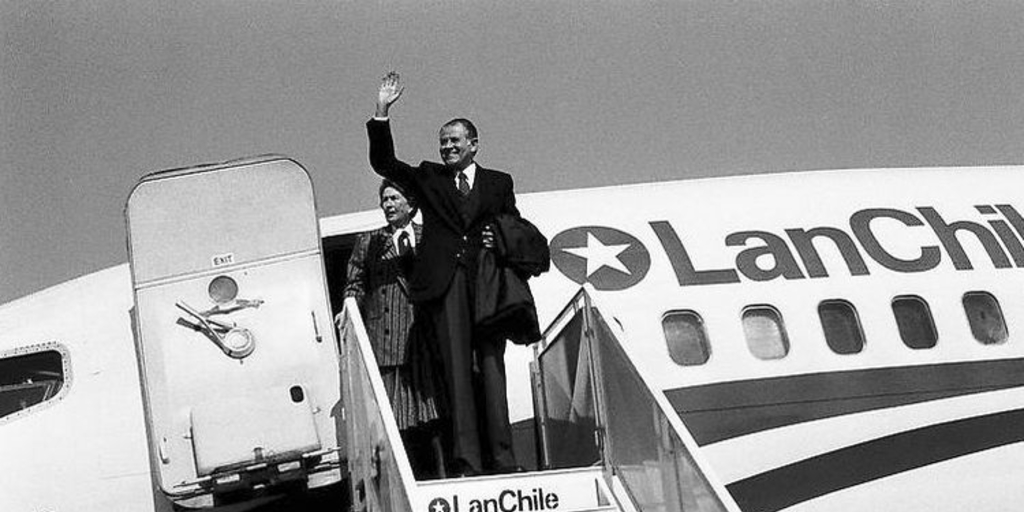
pixel 457 149
pixel 396 207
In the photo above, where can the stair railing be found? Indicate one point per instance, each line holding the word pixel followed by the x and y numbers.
pixel 595 406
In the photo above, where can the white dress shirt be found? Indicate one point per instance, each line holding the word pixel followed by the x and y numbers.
pixel 470 176
pixel 407 229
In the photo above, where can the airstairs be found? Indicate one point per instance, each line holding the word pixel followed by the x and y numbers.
pixel 241 374
pixel 609 441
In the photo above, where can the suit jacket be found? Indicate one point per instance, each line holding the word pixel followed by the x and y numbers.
pixel 520 245
pixel 504 306
pixel 451 223
pixel 503 303
pixel 377 279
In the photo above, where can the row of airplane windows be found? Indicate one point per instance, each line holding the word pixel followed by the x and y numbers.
pixel 766 337
pixel 29 379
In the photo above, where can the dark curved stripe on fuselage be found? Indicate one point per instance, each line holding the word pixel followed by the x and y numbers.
pixel 794 483
pixel 716 412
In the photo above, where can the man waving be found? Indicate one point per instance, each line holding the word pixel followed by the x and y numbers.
pixel 459 200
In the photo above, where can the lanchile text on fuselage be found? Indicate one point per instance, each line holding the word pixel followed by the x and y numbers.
pixel 1005 225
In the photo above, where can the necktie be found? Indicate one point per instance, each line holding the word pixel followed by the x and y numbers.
pixel 404 248
pixel 463 184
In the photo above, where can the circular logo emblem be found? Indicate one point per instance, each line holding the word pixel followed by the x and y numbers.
pixel 606 258
pixel 439 505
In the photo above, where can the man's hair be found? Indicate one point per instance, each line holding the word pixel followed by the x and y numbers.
pixel 466 123
pixel 390 184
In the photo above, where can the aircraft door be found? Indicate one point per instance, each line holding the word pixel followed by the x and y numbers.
pixel 234 335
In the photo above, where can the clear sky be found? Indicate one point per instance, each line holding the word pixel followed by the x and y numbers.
pixel 93 94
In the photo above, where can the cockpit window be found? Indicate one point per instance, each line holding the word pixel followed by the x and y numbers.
pixel 686 338
pixel 765 332
pixel 842 328
pixel 985 317
pixel 29 377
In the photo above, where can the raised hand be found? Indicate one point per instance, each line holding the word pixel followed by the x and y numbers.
pixel 389 92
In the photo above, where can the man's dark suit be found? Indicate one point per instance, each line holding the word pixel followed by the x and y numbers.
pixel 442 280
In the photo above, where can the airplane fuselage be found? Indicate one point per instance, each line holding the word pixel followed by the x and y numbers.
pixel 834 340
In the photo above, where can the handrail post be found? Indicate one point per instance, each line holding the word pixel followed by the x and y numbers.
pixel 596 380
pixel 540 407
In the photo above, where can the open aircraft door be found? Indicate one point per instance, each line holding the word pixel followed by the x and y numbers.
pixel 234 336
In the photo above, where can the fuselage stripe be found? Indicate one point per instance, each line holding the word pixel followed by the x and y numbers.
pixel 854 465
pixel 722 411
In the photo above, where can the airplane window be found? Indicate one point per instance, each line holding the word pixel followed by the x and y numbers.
pixel 985 317
pixel 766 336
pixel 914 320
pixel 842 327
pixel 686 338
pixel 29 379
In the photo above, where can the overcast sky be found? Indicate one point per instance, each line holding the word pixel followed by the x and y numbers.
pixel 93 94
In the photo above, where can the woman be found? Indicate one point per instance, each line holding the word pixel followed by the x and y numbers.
pixel 377 278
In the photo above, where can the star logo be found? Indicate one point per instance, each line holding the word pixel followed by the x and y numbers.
pixel 607 258
pixel 439 505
